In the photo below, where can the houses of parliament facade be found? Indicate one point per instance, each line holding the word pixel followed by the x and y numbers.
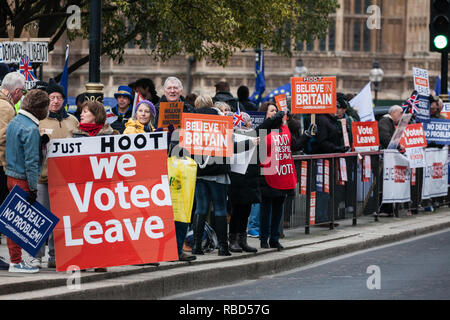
pixel 392 32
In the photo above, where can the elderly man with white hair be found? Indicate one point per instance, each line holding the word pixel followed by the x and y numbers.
pixel 173 89
pixel 387 124
pixel 11 91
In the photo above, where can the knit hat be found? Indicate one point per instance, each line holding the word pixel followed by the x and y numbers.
pixel 152 107
pixel 124 91
pixel 54 87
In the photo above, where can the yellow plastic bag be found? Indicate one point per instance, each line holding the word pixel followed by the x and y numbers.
pixel 182 178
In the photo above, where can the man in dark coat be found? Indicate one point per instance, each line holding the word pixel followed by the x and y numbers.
pixel 223 94
pixel 387 125
pixel 173 88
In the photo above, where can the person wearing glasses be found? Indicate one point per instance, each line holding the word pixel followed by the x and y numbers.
pixel 57 125
pixel 11 91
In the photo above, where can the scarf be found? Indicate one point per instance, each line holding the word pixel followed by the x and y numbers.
pixel 91 128
pixel 60 115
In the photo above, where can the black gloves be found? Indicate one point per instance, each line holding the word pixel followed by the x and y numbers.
pixel 342 149
pixel 32 195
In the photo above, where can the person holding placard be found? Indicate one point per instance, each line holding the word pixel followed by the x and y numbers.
pixel 143 119
pixel 24 160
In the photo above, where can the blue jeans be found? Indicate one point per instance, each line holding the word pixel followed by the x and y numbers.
pixel 253 220
pixel 207 191
pixel 270 224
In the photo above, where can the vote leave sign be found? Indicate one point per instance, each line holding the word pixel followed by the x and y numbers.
pixel 112 196
pixel 205 134
pixel 413 136
pixel 365 136
pixel 313 95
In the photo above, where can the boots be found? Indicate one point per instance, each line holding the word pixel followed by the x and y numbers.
pixel 234 246
pixel 221 232
pixel 242 242
pixel 198 224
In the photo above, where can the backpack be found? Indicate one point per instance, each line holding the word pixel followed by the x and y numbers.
pixel 209 239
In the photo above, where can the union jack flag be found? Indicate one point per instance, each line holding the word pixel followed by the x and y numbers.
pixel 26 69
pixel 238 119
pixel 412 102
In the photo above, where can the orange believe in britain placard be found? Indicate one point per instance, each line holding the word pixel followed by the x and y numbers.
pixel 313 95
pixel 365 136
pixel 112 196
pixel 205 134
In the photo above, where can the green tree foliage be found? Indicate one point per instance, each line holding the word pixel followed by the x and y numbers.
pixel 201 28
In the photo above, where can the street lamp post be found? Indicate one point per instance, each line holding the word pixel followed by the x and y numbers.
pixel 376 76
pixel 94 89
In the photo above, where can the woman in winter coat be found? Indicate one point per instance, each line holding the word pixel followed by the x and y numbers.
pixel 279 174
pixel 244 190
pixel 142 119
pixel 212 185
pixel 93 121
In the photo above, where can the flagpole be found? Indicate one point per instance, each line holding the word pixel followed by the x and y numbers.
pixel 94 89
pixel 444 77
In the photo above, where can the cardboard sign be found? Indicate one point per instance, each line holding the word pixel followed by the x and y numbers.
pixel 113 199
pixel 281 102
pixel 313 95
pixel 12 51
pixel 395 140
pixel 170 113
pixel 413 136
pixel 437 131
pixel 28 226
pixel 421 81
pixel 365 136
pixel 204 134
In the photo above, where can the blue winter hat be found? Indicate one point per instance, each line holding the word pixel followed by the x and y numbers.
pixel 124 91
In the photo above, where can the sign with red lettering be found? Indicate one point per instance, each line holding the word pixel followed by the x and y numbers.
pixel 365 136
pixel 413 136
pixel 303 177
pixel 205 134
pixel 313 95
pixel 112 196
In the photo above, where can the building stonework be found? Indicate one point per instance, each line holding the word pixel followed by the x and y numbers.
pixel 348 52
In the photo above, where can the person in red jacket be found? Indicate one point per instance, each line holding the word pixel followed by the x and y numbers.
pixel 279 175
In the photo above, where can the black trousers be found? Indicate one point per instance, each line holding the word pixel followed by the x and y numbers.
pixel 3 186
pixel 239 217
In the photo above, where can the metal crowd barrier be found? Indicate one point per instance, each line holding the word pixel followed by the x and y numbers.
pixel 353 199
pixel 339 201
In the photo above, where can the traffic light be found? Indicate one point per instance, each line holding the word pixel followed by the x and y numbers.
pixel 439 25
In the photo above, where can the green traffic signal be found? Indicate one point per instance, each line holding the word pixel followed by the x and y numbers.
pixel 440 42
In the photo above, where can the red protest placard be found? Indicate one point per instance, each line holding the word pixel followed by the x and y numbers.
pixel 113 200
pixel 313 95
pixel 205 134
pixel 365 135
pixel 413 136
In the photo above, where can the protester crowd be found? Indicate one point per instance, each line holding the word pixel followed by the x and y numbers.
pixel 243 205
